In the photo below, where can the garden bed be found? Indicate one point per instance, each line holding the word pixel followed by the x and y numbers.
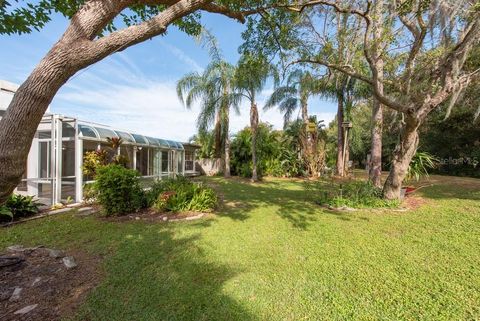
pixel 40 286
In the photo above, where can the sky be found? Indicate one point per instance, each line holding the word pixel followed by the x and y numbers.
pixel 134 90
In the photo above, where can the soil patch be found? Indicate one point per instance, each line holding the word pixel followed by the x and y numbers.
pixel 41 287
pixel 413 202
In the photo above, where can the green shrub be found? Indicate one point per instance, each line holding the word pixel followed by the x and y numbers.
pixel 355 194
pixel 18 206
pixel 181 194
pixel 165 185
pixel 92 161
pixel 421 163
pixel 118 190
pixel 204 200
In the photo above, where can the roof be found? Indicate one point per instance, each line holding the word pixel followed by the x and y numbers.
pixel 8 86
pixel 100 132
pixel 192 145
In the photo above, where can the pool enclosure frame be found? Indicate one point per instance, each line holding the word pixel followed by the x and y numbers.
pixel 54 168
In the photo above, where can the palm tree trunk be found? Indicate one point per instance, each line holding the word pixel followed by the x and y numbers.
pixel 218 136
pixel 227 172
pixel 340 137
pixel 254 126
pixel 307 144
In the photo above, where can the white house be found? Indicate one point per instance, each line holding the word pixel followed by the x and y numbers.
pixel 54 169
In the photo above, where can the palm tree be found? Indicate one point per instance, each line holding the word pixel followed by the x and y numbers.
pixel 214 89
pixel 251 75
pixel 300 86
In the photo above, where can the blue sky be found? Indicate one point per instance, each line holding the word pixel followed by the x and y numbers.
pixel 135 89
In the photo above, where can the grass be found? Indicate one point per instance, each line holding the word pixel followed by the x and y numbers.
pixel 270 254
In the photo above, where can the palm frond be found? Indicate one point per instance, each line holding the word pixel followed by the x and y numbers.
pixel 280 94
pixel 186 83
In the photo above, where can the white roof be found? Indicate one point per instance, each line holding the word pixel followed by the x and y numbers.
pixel 7 90
pixel 8 86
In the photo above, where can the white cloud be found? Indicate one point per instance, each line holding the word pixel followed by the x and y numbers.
pixel 181 55
pixel 152 109
pixel 117 93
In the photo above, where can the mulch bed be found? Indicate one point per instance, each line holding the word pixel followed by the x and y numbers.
pixel 148 215
pixel 413 202
pixel 48 287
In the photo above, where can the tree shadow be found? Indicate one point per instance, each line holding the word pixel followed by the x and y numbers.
pixel 292 203
pixel 155 275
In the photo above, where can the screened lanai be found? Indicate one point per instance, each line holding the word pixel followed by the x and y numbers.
pixel 54 170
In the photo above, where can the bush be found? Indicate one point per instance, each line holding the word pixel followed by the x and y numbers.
pixel 92 161
pixel 18 206
pixel 118 190
pixel 180 194
pixel 356 194
pixel 421 163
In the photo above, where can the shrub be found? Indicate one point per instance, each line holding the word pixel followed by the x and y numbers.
pixel 118 190
pixel 421 163
pixel 356 194
pixel 92 161
pixel 18 206
pixel 180 194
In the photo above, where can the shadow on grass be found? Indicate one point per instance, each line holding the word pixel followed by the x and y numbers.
pixel 291 203
pixel 157 276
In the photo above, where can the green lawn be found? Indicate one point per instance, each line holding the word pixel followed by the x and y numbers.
pixel 269 254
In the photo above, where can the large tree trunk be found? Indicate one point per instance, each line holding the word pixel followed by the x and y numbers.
pixel 18 126
pixel 77 49
pixel 340 138
pixel 402 156
pixel 375 173
pixel 254 126
pixel 375 168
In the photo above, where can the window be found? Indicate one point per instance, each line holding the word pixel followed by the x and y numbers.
pixel 44 162
pixel 179 162
pixel 165 161
pixel 127 153
pixel 189 160
pixel 142 161
pixel 68 158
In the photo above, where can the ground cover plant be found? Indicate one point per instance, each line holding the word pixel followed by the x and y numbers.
pixel 181 195
pixel 272 254
pixel 348 193
pixel 18 206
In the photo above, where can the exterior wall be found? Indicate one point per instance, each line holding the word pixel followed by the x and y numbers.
pixel 209 167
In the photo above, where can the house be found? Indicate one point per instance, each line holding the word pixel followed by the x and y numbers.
pixel 54 168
